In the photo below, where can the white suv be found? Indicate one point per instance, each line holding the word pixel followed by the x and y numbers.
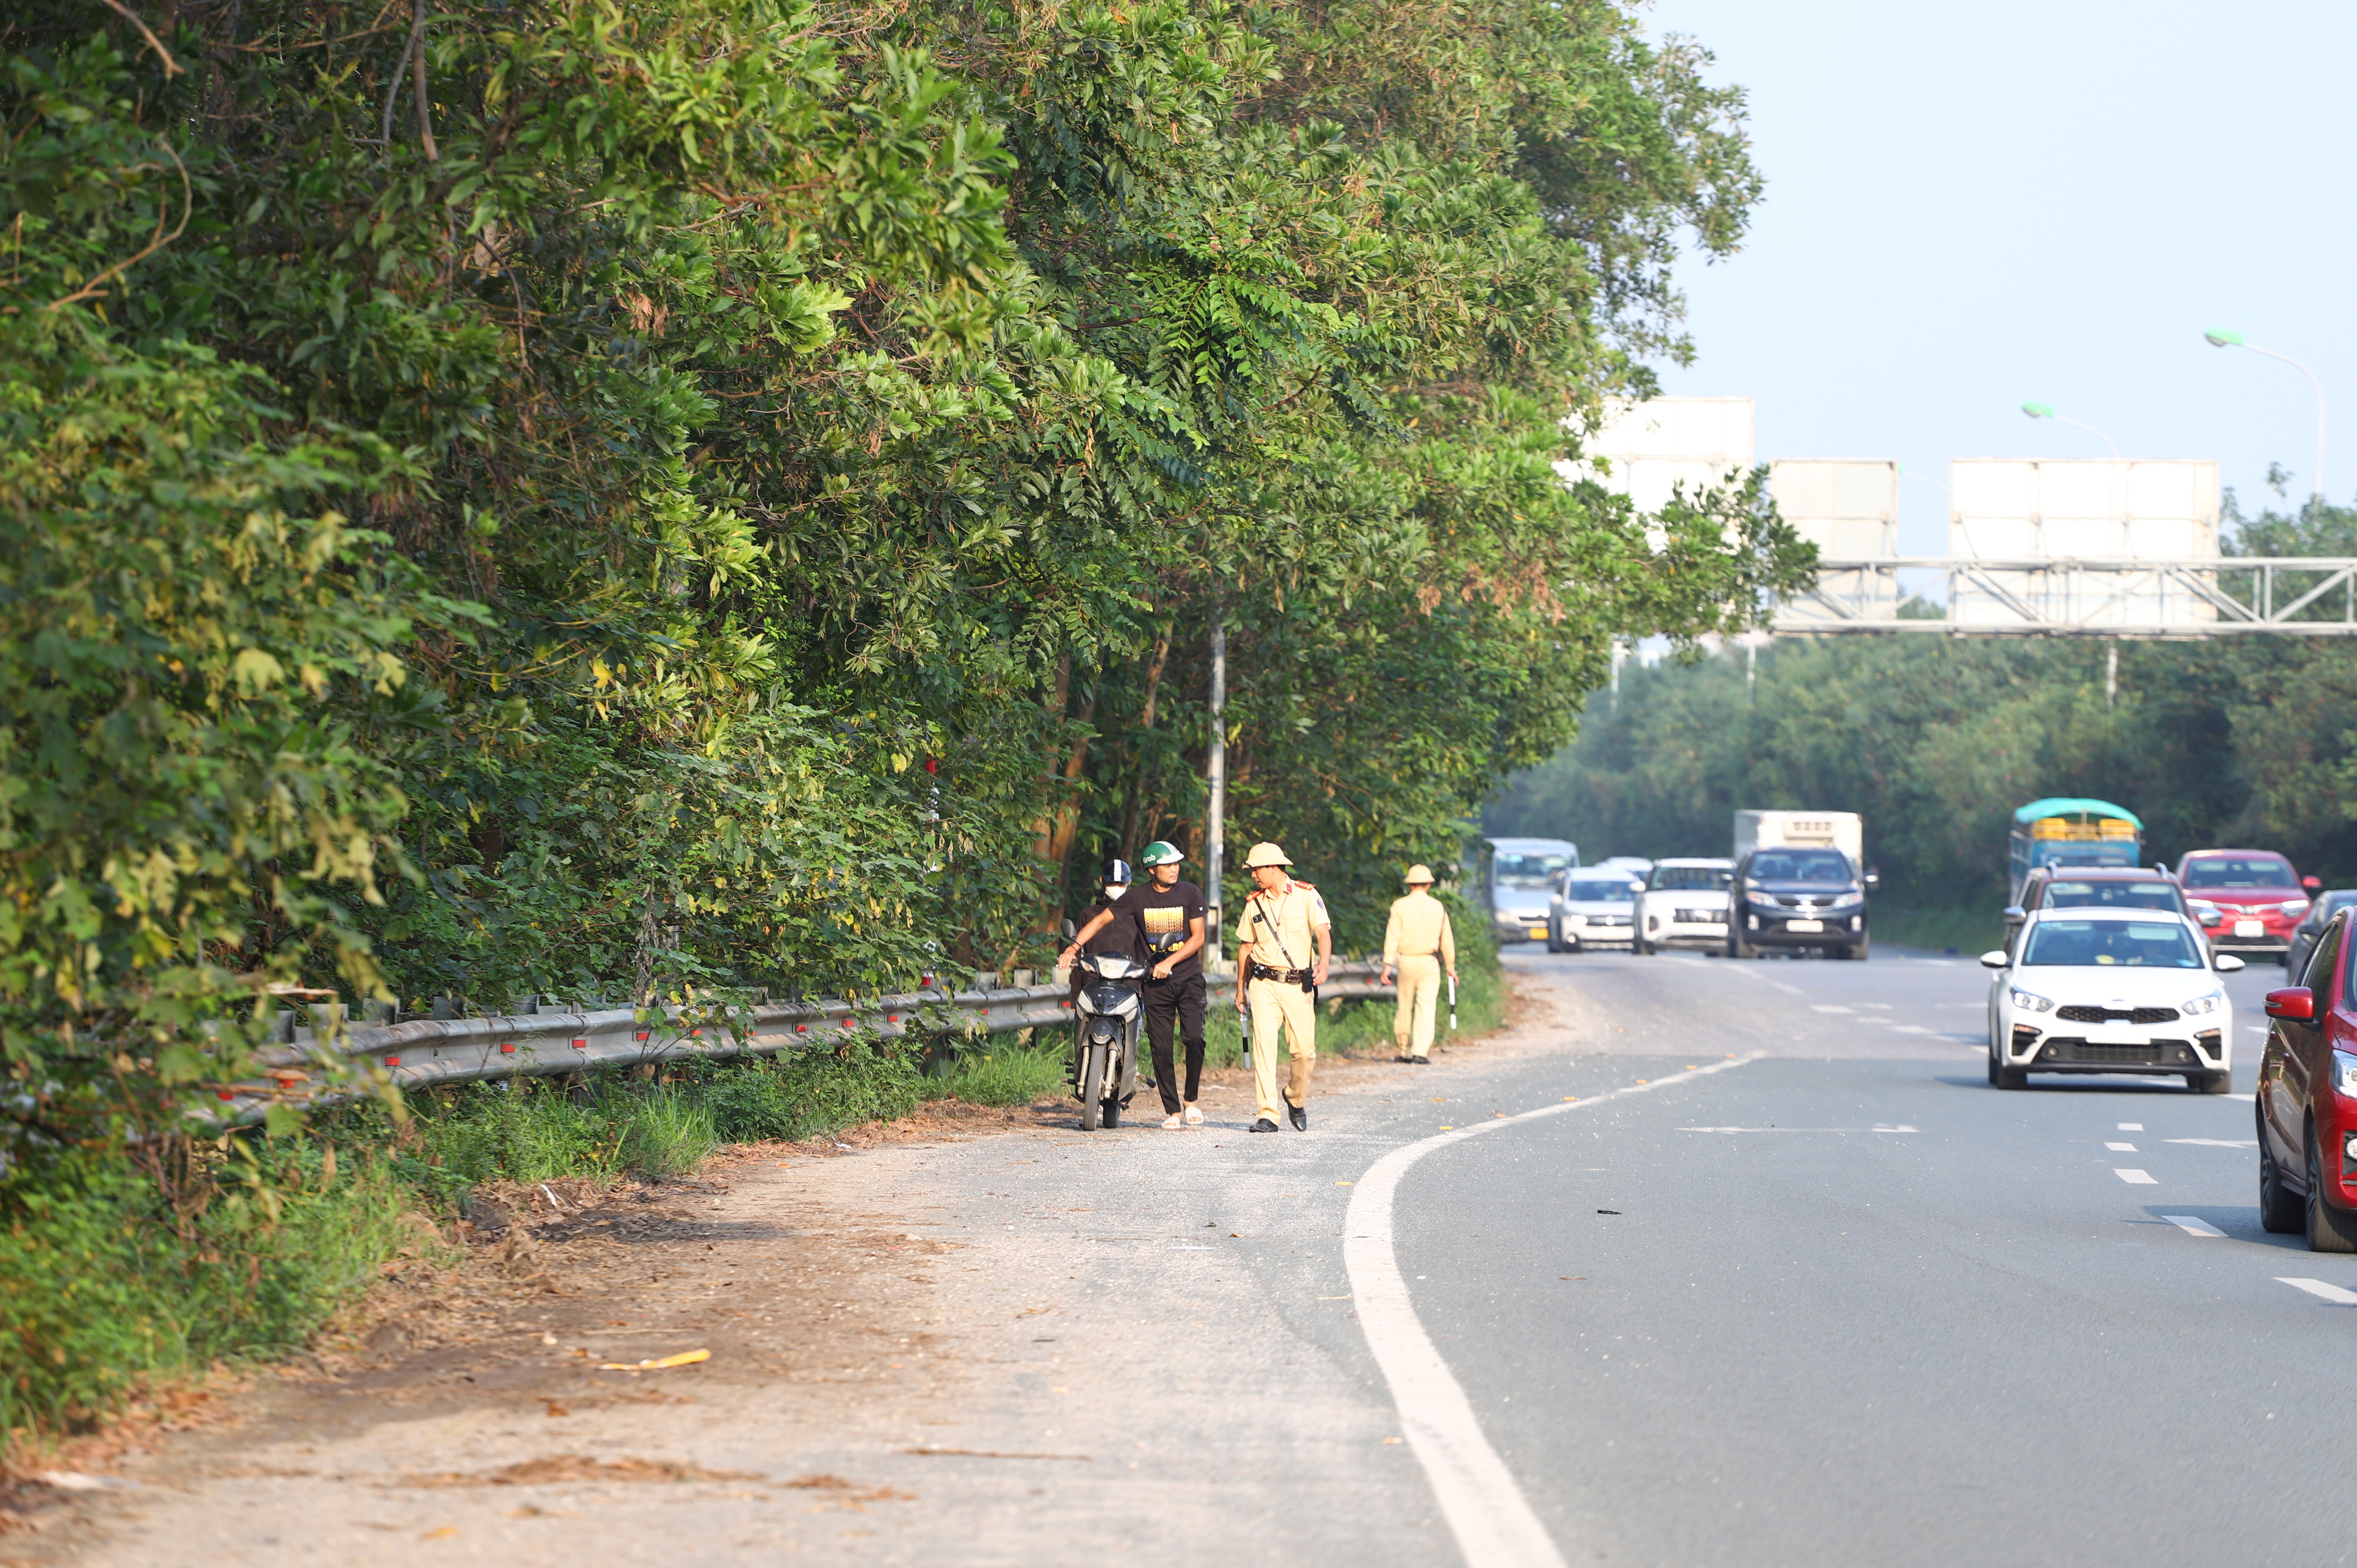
pixel 1685 905
pixel 2111 991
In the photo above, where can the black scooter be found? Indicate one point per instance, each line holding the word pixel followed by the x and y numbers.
pixel 1105 1019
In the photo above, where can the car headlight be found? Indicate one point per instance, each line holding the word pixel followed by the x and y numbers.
pixel 2294 906
pixel 2344 1074
pixel 2201 1004
pixel 2031 1002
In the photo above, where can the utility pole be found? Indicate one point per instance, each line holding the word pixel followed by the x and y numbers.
pixel 1216 768
pixel 2112 675
pixel 1615 674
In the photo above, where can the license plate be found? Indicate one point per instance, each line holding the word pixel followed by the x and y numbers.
pixel 1804 924
pixel 2250 928
pixel 1538 933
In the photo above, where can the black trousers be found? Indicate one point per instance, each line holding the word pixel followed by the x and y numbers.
pixel 1180 1002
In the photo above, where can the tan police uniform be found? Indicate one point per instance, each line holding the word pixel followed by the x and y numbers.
pixel 1420 944
pixel 1282 927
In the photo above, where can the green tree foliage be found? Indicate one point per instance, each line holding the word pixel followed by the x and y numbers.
pixel 2245 743
pixel 599 499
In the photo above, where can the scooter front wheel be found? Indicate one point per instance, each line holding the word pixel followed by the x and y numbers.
pixel 1092 1084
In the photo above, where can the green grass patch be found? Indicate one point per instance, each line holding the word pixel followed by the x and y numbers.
pixel 1006 1073
pixel 1969 931
pixel 104 1285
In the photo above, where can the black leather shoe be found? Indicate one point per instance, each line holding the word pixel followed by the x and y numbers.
pixel 1300 1114
pixel 1403 1056
pixel 1420 1061
pixel 1264 1125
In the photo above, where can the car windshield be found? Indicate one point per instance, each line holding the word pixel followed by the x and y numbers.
pixel 2062 895
pixel 2130 944
pixel 1825 866
pixel 1601 890
pixel 1710 877
pixel 2229 871
pixel 1530 870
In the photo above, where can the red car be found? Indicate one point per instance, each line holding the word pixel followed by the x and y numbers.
pixel 2258 897
pixel 2307 1100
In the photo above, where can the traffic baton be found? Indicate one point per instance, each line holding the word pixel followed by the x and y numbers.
pixel 1452 1004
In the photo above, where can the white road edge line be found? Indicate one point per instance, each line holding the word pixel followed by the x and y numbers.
pixel 2197 1227
pixel 2333 1293
pixel 1487 1512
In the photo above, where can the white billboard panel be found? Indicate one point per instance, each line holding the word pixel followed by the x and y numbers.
pixel 2066 510
pixel 1847 507
pixel 1651 447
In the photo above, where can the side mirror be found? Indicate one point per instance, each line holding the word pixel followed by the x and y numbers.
pixel 2296 1002
pixel 2226 963
pixel 1995 959
pixel 1873 880
pixel 1071 930
pixel 2209 917
pixel 2015 914
pixel 2313 883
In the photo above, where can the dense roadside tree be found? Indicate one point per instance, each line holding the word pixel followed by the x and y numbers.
pixel 576 498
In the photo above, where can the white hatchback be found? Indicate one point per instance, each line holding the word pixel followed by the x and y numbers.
pixel 2111 991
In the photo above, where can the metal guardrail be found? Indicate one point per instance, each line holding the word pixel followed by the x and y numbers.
pixel 423 1052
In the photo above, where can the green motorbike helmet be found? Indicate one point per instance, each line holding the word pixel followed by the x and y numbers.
pixel 1161 852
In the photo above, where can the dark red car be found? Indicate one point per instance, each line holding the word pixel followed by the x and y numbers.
pixel 2307 1101
pixel 2258 897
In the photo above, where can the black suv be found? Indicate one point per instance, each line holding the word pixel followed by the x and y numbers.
pixel 2100 887
pixel 1798 898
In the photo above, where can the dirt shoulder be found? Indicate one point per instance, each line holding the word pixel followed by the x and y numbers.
pixel 851 1296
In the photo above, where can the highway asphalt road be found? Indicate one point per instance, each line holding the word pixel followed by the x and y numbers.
pixel 1865 1308
pixel 1748 1266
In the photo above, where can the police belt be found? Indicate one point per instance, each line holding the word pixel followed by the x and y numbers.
pixel 1289 976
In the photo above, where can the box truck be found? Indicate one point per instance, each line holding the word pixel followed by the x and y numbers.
pixel 1801 830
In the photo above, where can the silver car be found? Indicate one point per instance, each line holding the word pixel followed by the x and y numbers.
pixel 1593 909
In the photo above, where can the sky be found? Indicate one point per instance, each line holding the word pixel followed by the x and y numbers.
pixel 1974 206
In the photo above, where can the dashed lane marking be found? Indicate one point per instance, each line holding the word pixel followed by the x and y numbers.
pixel 2135 1178
pixel 2131 1127
pixel 2218 1142
pixel 1829 1007
pixel 1901 1127
pixel 2185 1222
pixel 2318 1288
pixel 2121 1148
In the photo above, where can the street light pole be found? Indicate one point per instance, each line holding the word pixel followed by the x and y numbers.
pixel 2218 337
pixel 2046 411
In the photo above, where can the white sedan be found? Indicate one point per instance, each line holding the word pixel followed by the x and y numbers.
pixel 2111 991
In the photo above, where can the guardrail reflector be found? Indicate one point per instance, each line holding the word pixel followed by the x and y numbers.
pixel 580 1045
pixel 802 1029
pixel 507 1048
pixel 641 1036
pixel 851 1024
pixel 392 1061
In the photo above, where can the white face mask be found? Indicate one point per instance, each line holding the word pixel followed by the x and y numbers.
pixel 1113 894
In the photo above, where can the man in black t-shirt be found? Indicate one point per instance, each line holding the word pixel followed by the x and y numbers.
pixel 1161 923
pixel 1169 916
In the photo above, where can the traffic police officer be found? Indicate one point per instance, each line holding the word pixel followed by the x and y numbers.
pixel 1420 944
pixel 1279 976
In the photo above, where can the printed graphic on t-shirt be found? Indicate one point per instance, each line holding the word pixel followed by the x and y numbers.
pixel 1166 927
